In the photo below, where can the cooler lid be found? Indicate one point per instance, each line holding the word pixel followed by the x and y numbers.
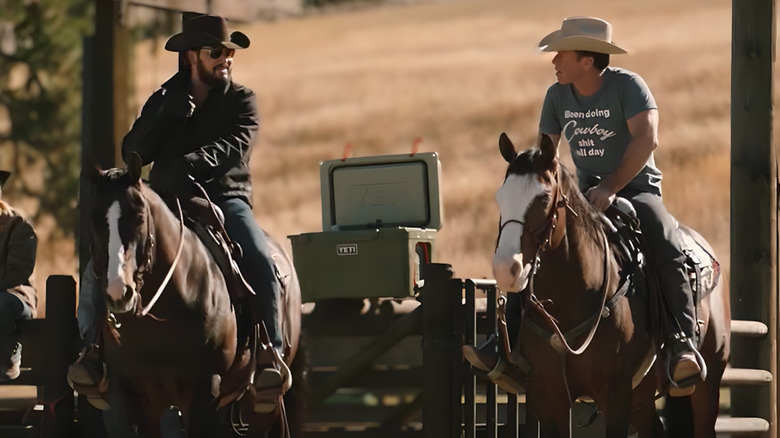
pixel 381 191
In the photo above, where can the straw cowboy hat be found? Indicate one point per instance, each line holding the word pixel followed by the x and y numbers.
pixel 4 174
pixel 200 30
pixel 582 33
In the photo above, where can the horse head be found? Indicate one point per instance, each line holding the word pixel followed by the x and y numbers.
pixel 122 236
pixel 531 203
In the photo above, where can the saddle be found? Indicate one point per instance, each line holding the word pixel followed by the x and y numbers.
pixel 702 268
pixel 207 221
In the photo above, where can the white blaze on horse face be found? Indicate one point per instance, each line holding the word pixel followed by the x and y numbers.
pixel 514 198
pixel 119 275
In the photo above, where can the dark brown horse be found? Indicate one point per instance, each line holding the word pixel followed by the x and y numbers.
pixel 554 246
pixel 173 338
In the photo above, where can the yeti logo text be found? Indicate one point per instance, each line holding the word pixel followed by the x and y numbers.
pixel 346 249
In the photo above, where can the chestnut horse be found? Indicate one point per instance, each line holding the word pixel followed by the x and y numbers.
pixel 583 334
pixel 172 337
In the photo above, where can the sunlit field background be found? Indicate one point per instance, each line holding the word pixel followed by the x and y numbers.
pixel 457 74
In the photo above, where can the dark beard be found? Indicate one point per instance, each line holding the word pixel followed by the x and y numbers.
pixel 210 79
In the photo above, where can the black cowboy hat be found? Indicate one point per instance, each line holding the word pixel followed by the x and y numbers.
pixel 4 174
pixel 200 30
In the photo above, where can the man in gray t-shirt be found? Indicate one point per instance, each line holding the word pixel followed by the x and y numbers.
pixel 596 126
pixel 610 120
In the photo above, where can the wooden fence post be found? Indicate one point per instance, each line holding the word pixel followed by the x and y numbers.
pixel 754 201
pixel 61 334
pixel 441 297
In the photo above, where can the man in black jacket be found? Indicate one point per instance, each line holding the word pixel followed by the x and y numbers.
pixel 201 126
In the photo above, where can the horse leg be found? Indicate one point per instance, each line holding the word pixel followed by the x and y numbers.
pixel 618 408
pixel 553 413
pixel 644 415
pixel 678 415
pixel 705 403
pixel 124 419
pixel 203 420
pixel 555 426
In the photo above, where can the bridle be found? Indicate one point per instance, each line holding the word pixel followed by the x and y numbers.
pixel 544 234
pixel 145 310
pixel 146 259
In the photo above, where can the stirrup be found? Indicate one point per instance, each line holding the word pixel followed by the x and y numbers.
pixel 686 386
pixel 498 374
pixel 82 381
pixel 268 388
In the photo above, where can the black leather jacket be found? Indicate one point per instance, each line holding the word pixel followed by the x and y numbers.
pixel 213 144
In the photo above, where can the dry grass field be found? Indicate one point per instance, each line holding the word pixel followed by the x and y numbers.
pixel 458 73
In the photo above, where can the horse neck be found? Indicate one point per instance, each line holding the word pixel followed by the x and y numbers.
pixel 582 249
pixel 165 227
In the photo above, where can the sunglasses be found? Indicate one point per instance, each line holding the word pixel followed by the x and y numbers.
pixel 216 52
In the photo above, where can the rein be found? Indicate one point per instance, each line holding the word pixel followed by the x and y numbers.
pixel 144 311
pixel 558 339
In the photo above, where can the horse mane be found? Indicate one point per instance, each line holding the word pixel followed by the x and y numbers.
pixel 589 216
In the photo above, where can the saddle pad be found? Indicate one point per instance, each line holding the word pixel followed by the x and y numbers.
pixel 705 269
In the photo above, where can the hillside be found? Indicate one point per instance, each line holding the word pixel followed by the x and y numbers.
pixel 458 73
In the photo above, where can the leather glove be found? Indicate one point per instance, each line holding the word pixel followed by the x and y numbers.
pixel 173 102
pixel 178 105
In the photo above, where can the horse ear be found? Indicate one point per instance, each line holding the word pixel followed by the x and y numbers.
pixel 549 150
pixel 92 173
pixel 506 147
pixel 134 166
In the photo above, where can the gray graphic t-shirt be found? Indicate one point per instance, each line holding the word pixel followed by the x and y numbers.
pixel 595 126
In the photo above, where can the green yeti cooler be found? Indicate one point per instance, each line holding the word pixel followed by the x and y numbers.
pixel 380 216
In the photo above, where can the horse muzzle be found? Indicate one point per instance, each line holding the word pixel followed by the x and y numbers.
pixel 127 303
pixel 510 273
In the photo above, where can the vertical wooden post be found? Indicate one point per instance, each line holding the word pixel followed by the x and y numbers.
pixel 60 347
pixel 754 201
pixel 469 379
pixel 105 101
pixel 441 301
pixel 107 88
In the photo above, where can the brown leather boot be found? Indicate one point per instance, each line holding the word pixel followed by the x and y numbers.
pixel 495 368
pixel 88 376
pixel 684 369
pixel 272 379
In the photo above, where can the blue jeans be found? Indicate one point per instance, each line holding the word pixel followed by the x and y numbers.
pixel 12 310
pixel 256 264
pixel 91 304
